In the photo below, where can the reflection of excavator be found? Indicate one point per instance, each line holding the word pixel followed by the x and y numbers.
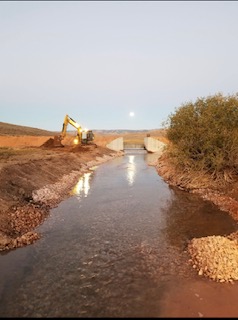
pixel 83 135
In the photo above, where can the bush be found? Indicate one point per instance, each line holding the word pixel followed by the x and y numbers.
pixel 204 135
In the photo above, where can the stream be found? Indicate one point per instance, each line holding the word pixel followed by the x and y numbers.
pixel 117 248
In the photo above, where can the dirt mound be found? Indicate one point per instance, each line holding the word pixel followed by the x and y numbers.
pixel 48 144
pixel 52 143
pixel 83 148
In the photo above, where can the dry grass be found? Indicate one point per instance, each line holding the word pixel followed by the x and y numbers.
pixel 7 129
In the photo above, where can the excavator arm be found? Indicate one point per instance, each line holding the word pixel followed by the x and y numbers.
pixel 68 120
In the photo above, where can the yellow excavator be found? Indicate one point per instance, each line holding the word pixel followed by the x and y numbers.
pixel 83 137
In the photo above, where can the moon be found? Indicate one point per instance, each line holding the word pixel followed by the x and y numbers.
pixel 131 114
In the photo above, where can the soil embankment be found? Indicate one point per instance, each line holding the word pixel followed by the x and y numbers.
pixel 35 179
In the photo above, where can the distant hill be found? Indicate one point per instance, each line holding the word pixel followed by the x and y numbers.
pixel 128 131
pixel 7 129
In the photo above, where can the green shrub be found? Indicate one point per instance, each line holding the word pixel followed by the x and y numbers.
pixel 204 135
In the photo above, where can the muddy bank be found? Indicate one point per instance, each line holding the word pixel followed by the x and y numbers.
pixel 34 180
pixel 215 257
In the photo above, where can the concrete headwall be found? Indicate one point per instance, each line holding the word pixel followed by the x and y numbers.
pixel 154 145
pixel 103 140
pixel 116 145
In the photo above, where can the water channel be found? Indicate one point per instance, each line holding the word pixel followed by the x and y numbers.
pixel 117 248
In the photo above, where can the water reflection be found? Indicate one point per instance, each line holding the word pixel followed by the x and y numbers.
pixel 131 170
pixel 82 188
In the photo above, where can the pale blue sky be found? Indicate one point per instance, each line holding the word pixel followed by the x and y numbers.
pixel 98 60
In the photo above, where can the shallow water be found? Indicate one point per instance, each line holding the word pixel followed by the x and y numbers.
pixel 115 248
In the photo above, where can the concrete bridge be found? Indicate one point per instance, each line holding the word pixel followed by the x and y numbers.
pixel 150 145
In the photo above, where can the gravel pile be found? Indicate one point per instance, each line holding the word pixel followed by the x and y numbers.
pixel 23 220
pixel 26 218
pixel 215 257
pixel 8 243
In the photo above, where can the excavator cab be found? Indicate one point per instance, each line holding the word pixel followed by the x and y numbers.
pixel 87 136
pixel 90 135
